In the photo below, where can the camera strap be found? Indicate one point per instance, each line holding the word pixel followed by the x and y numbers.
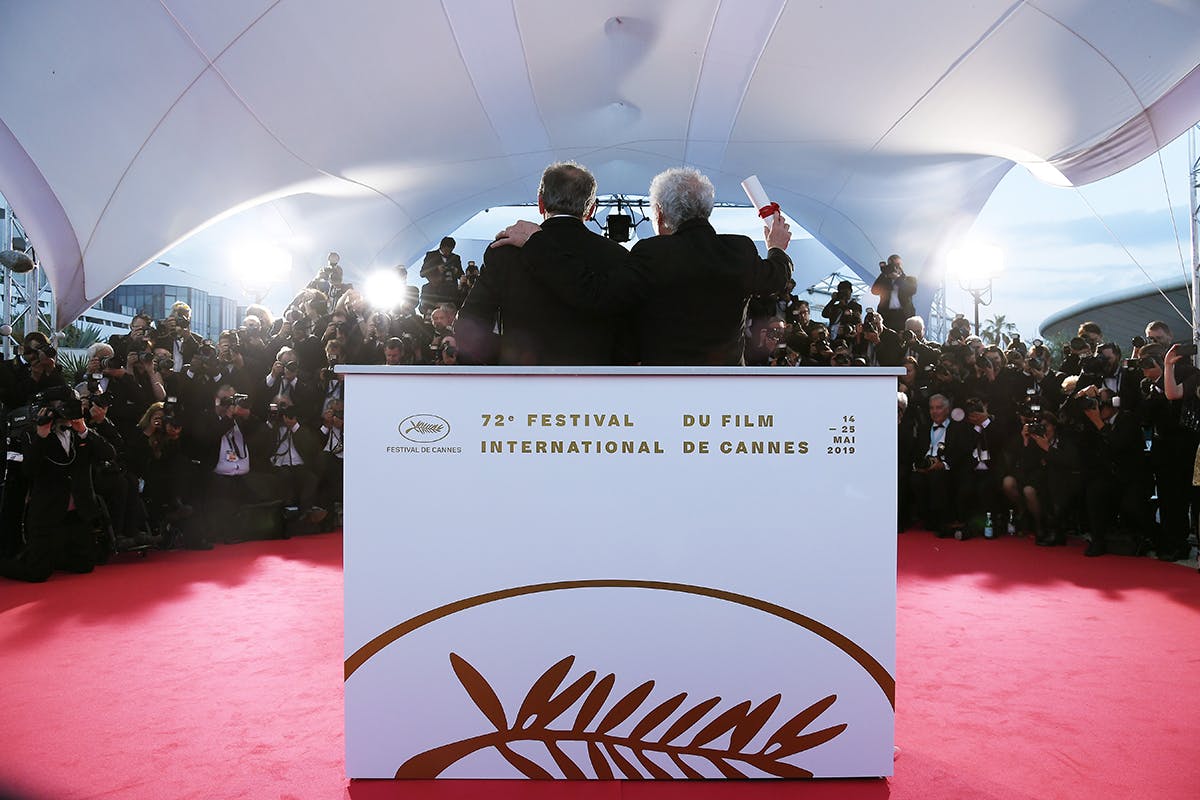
pixel 231 439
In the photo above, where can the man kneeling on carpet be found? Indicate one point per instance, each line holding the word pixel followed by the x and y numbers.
pixel 60 515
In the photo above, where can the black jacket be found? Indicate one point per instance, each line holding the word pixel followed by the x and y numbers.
pixel 535 327
pixel 689 289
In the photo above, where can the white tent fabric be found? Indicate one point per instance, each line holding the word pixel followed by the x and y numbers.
pixel 373 127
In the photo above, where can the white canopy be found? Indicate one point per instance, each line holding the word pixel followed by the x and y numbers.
pixel 374 126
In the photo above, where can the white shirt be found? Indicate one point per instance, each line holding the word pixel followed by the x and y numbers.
pixel 286 454
pixel 233 458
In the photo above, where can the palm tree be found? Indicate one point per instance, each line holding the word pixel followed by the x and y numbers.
pixel 998 330
pixel 77 337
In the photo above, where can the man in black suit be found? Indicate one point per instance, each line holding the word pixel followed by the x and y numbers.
pixel 689 285
pixel 534 328
pixel 941 452
pixel 895 291
pixel 175 333
pixel 222 446
pixel 58 459
pixel 1115 490
pixel 443 269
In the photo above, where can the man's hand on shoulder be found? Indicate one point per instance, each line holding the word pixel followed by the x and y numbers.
pixel 778 234
pixel 516 234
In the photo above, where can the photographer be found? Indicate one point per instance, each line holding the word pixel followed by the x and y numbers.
pixel 62 509
pixel 769 337
pixel 1074 352
pixel 290 452
pixel 157 457
pixel 253 341
pixel 222 447
pixel 232 364
pixel 1111 452
pixel 1174 418
pixel 329 492
pixel 941 450
pixel 114 483
pixel 176 330
pixel 200 380
pixel 399 350
pixel 980 491
pixel 36 371
pixel 842 303
pixel 141 332
pixel 329 382
pixel 913 344
pixel 285 380
pixel 1120 378
pixel 895 291
pixel 442 268
pixel 1047 479
pixel 467 282
pixel 329 280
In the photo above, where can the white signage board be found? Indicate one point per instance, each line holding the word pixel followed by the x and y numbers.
pixel 603 573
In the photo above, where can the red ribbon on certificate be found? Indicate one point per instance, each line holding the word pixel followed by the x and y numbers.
pixel 770 209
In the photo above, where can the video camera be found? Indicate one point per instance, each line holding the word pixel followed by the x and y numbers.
pixel 57 402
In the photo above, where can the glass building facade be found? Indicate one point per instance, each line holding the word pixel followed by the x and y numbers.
pixel 211 314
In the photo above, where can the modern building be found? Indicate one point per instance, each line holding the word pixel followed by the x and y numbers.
pixel 1123 314
pixel 211 313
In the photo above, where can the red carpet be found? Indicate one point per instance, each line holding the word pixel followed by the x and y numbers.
pixel 1023 673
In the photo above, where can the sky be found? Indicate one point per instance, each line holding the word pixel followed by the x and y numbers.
pixel 1057 252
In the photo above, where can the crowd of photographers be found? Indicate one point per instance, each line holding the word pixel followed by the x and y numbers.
pixel 165 438
pixel 1097 441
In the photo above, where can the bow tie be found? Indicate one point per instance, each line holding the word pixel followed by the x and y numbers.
pixel 938 427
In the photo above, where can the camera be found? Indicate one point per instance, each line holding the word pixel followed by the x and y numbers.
pixel 240 400
pixel 1137 342
pixel 1186 350
pixel 450 350
pixel 1092 365
pixel 974 406
pixel 57 402
pixel 146 357
pixel 1037 428
pixel 927 461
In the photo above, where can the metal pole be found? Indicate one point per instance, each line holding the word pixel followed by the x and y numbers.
pixel 6 316
pixel 1193 178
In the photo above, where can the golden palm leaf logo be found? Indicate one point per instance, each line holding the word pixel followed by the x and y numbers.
pixel 540 720
pixel 424 428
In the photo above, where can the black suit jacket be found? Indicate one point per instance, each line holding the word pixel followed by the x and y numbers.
pixel 535 327
pixel 959 445
pixel 57 476
pixel 885 286
pixel 689 289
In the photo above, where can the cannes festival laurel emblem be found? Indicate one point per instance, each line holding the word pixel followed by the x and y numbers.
pixel 582 726
pixel 542 719
pixel 424 428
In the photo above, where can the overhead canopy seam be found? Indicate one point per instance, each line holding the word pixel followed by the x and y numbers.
pixel 292 152
pixel 995 26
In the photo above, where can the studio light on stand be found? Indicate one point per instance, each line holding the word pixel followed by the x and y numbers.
pixel 385 289
pixel 976 266
pixel 259 267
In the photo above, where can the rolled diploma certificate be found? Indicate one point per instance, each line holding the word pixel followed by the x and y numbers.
pixel 758 197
